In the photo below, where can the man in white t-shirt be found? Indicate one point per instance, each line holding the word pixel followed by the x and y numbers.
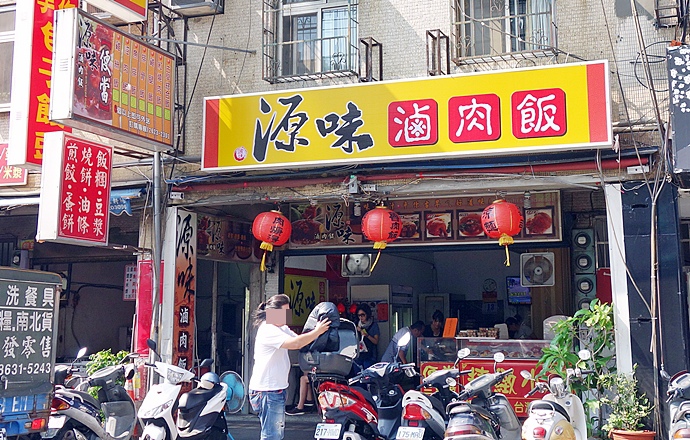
pixel 269 378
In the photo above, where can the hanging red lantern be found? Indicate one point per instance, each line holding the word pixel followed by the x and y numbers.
pixel 382 226
pixel 502 220
pixel 353 308
pixel 341 308
pixel 272 228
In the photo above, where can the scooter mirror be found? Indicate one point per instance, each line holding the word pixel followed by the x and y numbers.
pixel 585 355
pixel 151 344
pixel 404 340
pixel 664 375
pixel 462 354
pixel 499 357
pixel 81 353
pixel 526 375
pixel 206 362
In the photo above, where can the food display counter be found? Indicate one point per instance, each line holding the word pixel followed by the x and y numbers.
pixel 521 354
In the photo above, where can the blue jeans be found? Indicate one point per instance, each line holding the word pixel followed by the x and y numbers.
pixel 271 408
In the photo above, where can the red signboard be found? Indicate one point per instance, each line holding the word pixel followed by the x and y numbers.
pixel 10 175
pixel 185 289
pixel 31 77
pixel 75 192
pixel 514 387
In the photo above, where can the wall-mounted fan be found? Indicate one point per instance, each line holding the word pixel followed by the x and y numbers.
pixel 537 269
pixel 356 265
pixel 236 392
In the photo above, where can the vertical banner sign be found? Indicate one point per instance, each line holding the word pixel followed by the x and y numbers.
pixel 31 80
pixel 129 291
pixel 305 293
pixel 10 175
pixel 185 289
pixel 106 82
pixel 28 326
pixel 75 192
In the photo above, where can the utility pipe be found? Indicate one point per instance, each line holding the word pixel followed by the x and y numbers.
pixel 609 164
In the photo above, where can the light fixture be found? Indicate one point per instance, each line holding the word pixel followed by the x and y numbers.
pixel 527 202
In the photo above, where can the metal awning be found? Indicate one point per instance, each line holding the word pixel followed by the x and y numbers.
pixel 120 200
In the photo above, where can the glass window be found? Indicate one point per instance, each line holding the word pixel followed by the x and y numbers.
pixel 495 27
pixel 309 38
pixel 6 54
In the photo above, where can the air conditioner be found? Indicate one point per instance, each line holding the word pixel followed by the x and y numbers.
pixel 197 8
pixel 103 15
pixel 537 269
pixel 356 265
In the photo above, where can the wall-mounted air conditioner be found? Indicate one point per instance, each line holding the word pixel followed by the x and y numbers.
pixel 197 8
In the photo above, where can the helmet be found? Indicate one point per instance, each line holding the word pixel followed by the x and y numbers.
pixel 208 380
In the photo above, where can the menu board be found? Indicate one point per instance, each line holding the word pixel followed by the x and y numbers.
pixel 120 84
pixel 28 328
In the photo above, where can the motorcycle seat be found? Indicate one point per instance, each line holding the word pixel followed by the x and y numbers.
pixel 548 405
pixel 466 407
pixel 196 397
pixel 83 395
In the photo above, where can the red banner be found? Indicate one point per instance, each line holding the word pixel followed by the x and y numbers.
pixel 32 64
pixel 514 387
pixel 185 289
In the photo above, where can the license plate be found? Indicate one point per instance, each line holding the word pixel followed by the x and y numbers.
pixel 408 433
pixel 56 422
pixel 327 431
pixel 3 434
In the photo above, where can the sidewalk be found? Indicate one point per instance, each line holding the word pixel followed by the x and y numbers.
pixel 247 427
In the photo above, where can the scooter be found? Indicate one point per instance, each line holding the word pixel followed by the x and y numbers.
pixel 679 404
pixel 64 382
pixel 76 414
pixel 425 417
pixel 368 406
pixel 156 411
pixel 560 414
pixel 479 413
pixel 200 413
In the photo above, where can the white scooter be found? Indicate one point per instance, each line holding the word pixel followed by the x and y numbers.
pixel 156 411
pixel 560 414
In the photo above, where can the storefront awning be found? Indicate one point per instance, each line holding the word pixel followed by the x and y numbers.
pixel 120 200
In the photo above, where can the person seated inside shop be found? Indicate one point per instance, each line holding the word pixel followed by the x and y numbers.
pixel 518 329
pixel 435 329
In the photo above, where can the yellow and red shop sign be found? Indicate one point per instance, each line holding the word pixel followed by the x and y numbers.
pixel 516 111
pixel 514 386
pixel 305 293
pixel 31 80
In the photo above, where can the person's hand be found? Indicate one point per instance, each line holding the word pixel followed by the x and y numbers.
pixel 364 332
pixel 322 326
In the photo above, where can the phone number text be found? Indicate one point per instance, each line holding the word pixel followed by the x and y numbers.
pixel 30 368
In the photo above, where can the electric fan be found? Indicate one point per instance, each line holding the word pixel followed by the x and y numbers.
pixel 236 394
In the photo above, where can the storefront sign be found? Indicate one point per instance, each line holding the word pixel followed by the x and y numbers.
pixel 185 289
pixel 75 191
pixel 10 175
pixel 28 326
pixel 514 387
pixel 222 239
pixel 305 293
pixel 517 111
pixel 434 220
pixel 111 83
pixel 128 10
pixel 31 80
pixel 129 291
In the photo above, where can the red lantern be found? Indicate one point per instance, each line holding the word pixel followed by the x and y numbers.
pixel 502 220
pixel 382 226
pixel 341 308
pixel 353 308
pixel 273 229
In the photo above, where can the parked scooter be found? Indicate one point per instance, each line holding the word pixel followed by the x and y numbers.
pixel 425 417
pixel 156 411
pixel 200 412
pixel 480 413
pixel 75 414
pixel 368 406
pixel 679 404
pixel 560 414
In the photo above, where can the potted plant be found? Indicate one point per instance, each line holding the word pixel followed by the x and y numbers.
pixel 628 407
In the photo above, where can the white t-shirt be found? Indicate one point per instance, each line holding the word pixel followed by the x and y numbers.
pixel 271 363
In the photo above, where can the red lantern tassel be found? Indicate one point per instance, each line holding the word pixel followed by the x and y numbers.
pixel 380 245
pixel 506 240
pixel 267 247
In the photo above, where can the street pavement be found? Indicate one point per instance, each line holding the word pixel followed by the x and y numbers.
pixel 247 427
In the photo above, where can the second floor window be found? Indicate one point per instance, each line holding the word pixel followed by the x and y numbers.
pixel 485 28
pixel 7 15
pixel 309 39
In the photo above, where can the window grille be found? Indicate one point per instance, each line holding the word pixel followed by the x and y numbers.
pixel 309 39
pixel 490 30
